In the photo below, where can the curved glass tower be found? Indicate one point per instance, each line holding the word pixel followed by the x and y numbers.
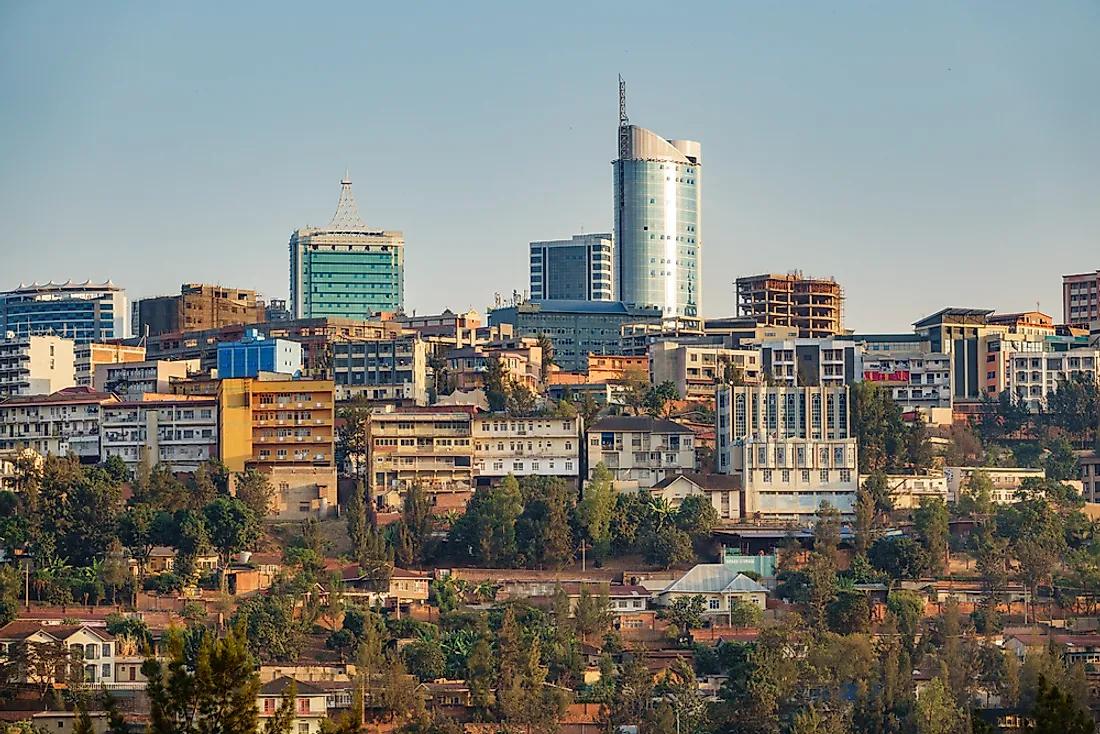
pixel 657 222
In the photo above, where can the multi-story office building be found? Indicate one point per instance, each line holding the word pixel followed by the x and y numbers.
pixel 792 446
pixel 920 380
pixel 1025 323
pixel 1036 375
pixel 907 490
pixel 432 447
pixel 640 451
pixel 315 336
pixel 963 334
pixel 578 269
pixel 544 447
pixel 696 369
pixel 84 312
pixel 1081 298
pixel 131 380
pixel 636 337
pixel 276 310
pixel 383 370
pixel 346 269
pixel 744 331
pixel 285 429
pixel 67 420
pixel 577 328
pixel 827 362
pixel 36 365
pixel 658 220
pixel 180 431
pixel 89 356
pixel 197 307
pixel 815 306
pixel 255 353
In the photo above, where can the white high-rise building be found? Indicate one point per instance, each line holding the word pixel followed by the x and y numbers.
pixel 577 269
pixel 36 365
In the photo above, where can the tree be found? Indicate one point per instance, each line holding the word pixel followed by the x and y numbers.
pixel 521 401
pixel 415 528
pixel 588 409
pixel 480 665
pixel 83 723
pixel 1056 712
pixel 978 497
pixel 636 387
pixel 1061 461
pixel 425 658
pixel 546 346
pixel 666 546
pixel 209 479
pixel 827 532
pixel 745 614
pixel 935 711
pixel 357 519
pixel 255 490
pixel 271 627
pixel 899 557
pixel 697 516
pixel 487 532
pixel 685 612
pixel 594 511
pixel 283 720
pixel 496 386
pixel 351 436
pixel 866 513
pixel 544 527
pixel 930 525
pixel 659 398
pixel 592 616
pixel 908 610
pixel 233 527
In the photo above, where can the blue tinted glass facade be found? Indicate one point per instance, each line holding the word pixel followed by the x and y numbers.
pixel 657 225
pixel 81 319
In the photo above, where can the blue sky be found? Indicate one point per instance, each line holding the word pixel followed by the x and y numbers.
pixel 924 154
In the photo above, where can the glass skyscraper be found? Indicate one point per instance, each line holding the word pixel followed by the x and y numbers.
pixel 84 312
pixel 657 222
pixel 346 269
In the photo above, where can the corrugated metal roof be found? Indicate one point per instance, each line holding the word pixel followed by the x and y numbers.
pixel 714 578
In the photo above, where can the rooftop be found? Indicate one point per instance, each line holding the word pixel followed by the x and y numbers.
pixel 638 423
pixel 954 313
pixel 703 481
pixel 713 578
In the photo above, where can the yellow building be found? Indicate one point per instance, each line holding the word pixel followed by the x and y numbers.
pixel 285 429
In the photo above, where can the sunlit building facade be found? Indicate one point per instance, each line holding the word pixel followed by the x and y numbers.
pixel 657 222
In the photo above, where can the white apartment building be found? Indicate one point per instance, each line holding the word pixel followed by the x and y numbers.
pixel 695 369
pixel 67 420
pixel 918 380
pixel 792 447
pixel 36 365
pixel 640 451
pixel 1034 376
pixel 131 380
pixel 181 431
pixel 906 491
pixel 830 362
pixel 1006 481
pixel 545 447
pixel 93 650
pixel 89 355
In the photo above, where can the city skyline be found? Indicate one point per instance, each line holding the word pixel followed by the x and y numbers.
pixel 882 147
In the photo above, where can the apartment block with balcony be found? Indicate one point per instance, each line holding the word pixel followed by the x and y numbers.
pixel 520 358
pixel 65 421
pixel 1090 477
pixel 432 447
pixel 131 380
pixel 792 446
pixel 544 447
pixel 696 369
pixel 907 490
pixel 180 431
pixel 916 380
pixel 91 355
pixel 640 451
pixel 392 370
pixel 283 428
pixel 1036 375
pixel 830 362
pixel 36 365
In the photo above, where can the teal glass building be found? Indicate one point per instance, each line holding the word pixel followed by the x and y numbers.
pixel 658 226
pixel 346 269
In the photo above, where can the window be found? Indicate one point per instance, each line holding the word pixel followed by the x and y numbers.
pixel 715 604
pixel 824 476
pixel 845 475
pixel 786 476
pixel 106 670
pixel 106 649
pixel 805 476
pixel 303 727
pixel 303 705
pixel 767 476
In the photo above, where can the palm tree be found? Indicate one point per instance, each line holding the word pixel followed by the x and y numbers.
pixel 485 591
pixel 662 511
pixel 447 520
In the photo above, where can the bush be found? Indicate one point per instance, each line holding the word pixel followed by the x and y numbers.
pixel 164 583
pixel 194 611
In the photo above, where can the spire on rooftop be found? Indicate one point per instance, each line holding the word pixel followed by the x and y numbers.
pixel 347 215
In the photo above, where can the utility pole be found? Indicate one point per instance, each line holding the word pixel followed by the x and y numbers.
pixel 584 547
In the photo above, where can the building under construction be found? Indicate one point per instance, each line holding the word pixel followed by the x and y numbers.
pixel 814 306
pixel 198 307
